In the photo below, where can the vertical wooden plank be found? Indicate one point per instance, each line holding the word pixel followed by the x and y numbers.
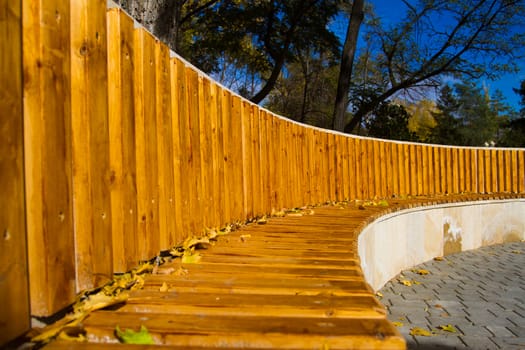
pixel 467 184
pixel 521 171
pixel 318 167
pixel 494 170
pixel 514 171
pixel 437 169
pixel 394 165
pixel 444 167
pixel 413 169
pixel 508 170
pixel 264 163
pixel 377 165
pixel 206 168
pixel 146 145
pixel 227 166
pixel 197 203
pixel 247 159
pixel 331 160
pixel 47 147
pixel 488 171
pixel 365 174
pixel 420 169
pixel 14 288
pixel 345 171
pixel 425 186
pixel 474 187
pixel 310 141
pixel 500 170
pixel 455 165
pixel 430 167
pixel 386 173
pixel 217 156
pixel 256 152
pixel 166 183
pixel 237 159
pixel 178 111
pixel 121 117
pixel 352 173
pixel 480 156
pixel 90 141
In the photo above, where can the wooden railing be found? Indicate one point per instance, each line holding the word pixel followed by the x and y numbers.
pixel 127 150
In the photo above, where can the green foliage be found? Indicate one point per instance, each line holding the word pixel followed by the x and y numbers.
pixel 468 115
pixel 390 121
pixel 306 91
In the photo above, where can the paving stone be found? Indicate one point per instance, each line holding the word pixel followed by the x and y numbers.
pixel 480 292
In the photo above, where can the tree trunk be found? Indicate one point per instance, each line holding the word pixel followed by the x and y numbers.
pixel 347 62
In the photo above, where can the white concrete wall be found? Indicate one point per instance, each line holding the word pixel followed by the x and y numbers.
pixel 400 240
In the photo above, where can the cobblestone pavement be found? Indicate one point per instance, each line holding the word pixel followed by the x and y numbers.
pixel 480 293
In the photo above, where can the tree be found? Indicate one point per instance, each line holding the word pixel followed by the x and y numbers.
pixel 462 38
pixel 469 116
pixel 306 90
pixel 514 133
pixel 347 63
pixel 389 121
pixel 448 124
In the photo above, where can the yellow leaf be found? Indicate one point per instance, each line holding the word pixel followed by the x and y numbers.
pixel 439 258
pixel 379 294
pixel 516 252
pixel 406 283
pixel 383 203
pixel 422 272
pixel 420 332
pixel 190 258
pixel 448 328
pixel 398 324
pixel 164 288
pixel 244 238
pixel 262 221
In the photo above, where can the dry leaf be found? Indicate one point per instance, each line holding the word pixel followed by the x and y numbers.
pixel 439 258
pixel 164 288
pixel 190 258
pixel 398 324
pixel 379 294
pixel 262 221
pixel 422 272
pixel 516 252
pixel 406 283
pixel 420 332
pixel 244 238
pixel 448 328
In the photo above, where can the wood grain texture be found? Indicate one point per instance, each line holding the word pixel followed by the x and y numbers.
pixel 47 148
pixel 90 144
pixel 14 287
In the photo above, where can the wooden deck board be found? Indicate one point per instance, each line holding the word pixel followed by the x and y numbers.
pixel 292 283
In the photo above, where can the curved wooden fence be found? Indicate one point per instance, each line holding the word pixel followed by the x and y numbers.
pixel 128 150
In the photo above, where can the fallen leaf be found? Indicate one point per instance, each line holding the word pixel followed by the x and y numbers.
pixel 439 258
pixel 406 283
pixel 516 252
pixel 190 258
pixel 164 288
pixel 422 272
pixel 383 203
pixel 262 221
pixel 244 238
pixel 129 336
pixel 398 324
pixel 448 328
pixel 420 332
pixel 379 294
pixel 181 272
pixel 438 306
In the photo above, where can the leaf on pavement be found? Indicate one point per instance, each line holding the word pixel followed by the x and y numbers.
pixel 421 271
pixel 398 324
pixel 448 328
pixel 420 332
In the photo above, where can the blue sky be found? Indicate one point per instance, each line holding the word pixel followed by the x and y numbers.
pixel 392 10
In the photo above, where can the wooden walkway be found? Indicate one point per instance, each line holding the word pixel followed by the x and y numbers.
pixel 294 282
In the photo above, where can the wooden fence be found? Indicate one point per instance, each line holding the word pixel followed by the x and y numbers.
pixel 117 148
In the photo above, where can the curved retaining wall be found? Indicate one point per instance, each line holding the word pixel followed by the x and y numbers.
pixel 403 239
